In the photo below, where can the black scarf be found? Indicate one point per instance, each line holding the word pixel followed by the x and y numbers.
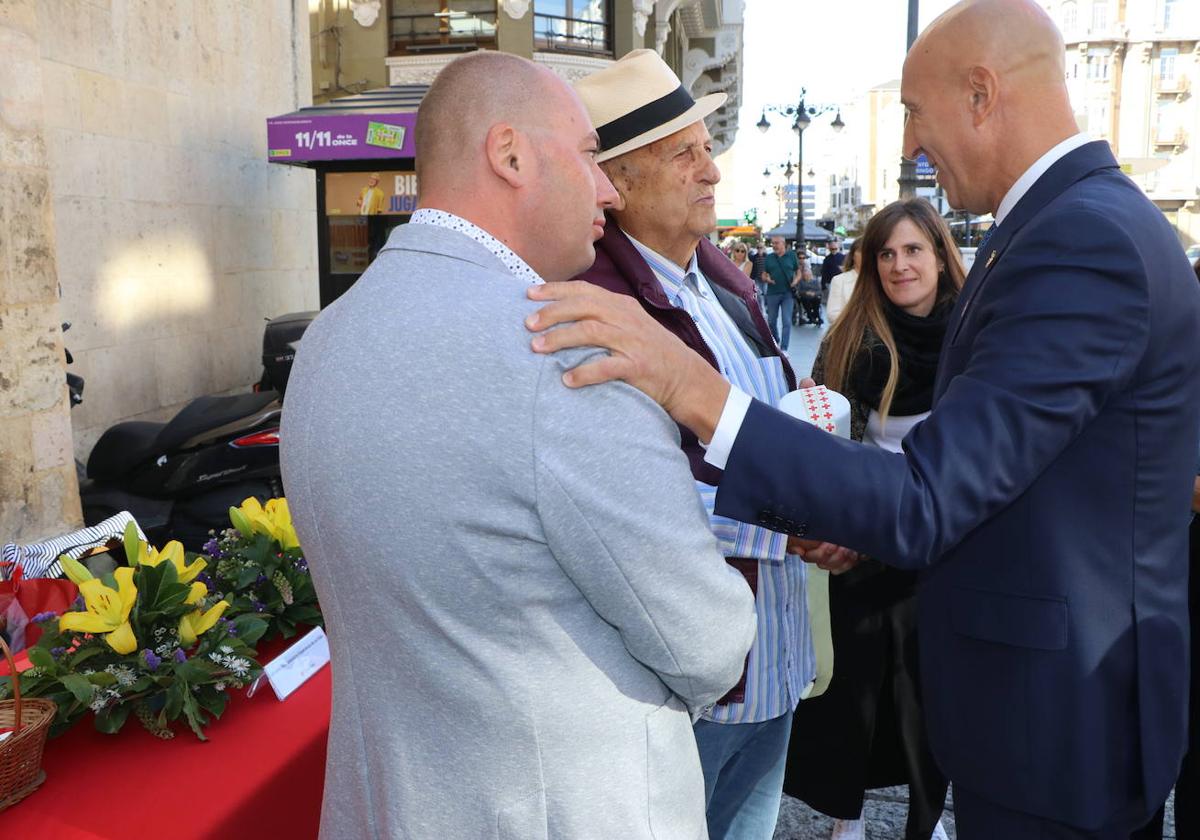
pixel 918 344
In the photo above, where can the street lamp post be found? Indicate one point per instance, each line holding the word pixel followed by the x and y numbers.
pixel 801 115
pixel 908 168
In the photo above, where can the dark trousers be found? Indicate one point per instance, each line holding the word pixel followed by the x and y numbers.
pixel 976 818
pixel 1187 788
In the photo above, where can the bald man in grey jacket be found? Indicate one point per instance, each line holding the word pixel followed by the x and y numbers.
pixel 523 597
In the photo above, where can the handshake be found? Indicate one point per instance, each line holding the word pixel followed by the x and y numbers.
pixel 832 558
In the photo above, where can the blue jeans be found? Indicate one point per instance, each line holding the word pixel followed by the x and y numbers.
pixel 743 776
pixel 775 303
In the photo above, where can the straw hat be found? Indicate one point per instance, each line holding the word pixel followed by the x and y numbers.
pixel 638 100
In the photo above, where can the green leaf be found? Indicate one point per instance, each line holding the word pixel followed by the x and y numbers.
pixel 102 679
pixel 250 628
pixel 245 577
pixel 194 670
pixel 195 717
pixel 113 718
pixel 78 686
pixel 41 658
pixel 240 522
pixel 83 655
pixel 213 701
pixel 175 695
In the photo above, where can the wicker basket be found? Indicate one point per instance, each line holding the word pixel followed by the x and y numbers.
pixel 21 752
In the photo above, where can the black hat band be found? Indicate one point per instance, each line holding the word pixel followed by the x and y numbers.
pixel 643 119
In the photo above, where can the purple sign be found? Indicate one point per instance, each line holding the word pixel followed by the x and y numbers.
pixel 295 138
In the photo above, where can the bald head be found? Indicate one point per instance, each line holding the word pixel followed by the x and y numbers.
pixel 986 95
pixel 1016 38
pixel 468 97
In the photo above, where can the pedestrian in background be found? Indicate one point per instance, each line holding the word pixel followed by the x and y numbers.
pixel 842 285
pixel 782 272
pixel 740 256
pixel 831 267
pixel 808 293
pixel 882 354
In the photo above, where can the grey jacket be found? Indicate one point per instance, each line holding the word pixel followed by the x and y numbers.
pixel 522 593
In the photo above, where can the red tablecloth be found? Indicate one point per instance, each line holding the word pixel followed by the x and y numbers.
pixel 261 773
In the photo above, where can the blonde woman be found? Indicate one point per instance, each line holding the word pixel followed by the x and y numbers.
pixel 882 353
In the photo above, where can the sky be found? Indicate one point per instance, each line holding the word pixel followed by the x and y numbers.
pixel 837 49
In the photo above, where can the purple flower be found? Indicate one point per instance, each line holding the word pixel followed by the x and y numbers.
pixel 152 661
pixel 211 548
pixel 78 604
pixel 206 580
pixel 261 579
pixel 57 652
pixel 259 606
pixel 180 656
pixel 301 564
pixel 229 626
pixel 44 616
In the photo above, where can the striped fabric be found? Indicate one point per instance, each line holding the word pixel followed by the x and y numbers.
pixel 782 663
pixel 40 560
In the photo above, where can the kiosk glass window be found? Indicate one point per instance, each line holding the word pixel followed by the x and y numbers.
pixel 418 26
pixel 580 26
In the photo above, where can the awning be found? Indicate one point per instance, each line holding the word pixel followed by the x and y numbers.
pixel 812 233
pixel 376 125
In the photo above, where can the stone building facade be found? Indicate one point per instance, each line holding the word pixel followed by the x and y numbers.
pixel 137 203
pixel 363 44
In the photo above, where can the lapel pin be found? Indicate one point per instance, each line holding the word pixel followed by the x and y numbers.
pixel 991 259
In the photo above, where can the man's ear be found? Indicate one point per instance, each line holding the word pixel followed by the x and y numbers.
pixel 985 92
pixel 507 153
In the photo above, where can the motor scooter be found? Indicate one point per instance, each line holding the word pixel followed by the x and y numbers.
pixel 180 478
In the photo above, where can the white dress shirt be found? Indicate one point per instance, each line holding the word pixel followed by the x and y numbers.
pixel 738 402
pixel 440 218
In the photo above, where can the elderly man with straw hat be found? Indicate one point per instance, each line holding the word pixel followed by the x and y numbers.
pixel 658 154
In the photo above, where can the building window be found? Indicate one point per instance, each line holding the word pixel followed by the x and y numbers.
pixel 1070 15
pixel 1098 58
pixel 582 26
pixel 1170 8
pixel 1168 123
pixel 442 25
pixel 1099 15
pixel 1166 63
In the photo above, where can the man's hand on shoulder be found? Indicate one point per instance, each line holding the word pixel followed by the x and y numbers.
pixel 643 353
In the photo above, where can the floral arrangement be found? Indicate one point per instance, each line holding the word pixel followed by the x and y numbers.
pixel 259 567
pixel 149 639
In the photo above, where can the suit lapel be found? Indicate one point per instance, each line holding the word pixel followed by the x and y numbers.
pixel 1069 169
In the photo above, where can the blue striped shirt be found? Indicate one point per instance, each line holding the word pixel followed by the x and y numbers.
pixel 782 662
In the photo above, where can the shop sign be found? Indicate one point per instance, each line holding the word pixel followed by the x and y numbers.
pixel 340 137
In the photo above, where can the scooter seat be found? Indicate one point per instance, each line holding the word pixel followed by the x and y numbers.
pixel 206 414
pixel 122 448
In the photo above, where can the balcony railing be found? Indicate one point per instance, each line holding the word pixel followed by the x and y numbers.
pixel 1174 86
pixel 552 32
pixel 1165 137
pixel 452 31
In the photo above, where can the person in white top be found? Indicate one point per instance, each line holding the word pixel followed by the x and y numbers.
pixel 882 355
pixel 843 284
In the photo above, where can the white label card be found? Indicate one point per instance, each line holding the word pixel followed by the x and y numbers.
pixel 292 668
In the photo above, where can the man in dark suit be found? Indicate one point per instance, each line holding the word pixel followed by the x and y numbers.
pixel 1046 498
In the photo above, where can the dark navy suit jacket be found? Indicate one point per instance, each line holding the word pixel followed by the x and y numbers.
pixel 1046 501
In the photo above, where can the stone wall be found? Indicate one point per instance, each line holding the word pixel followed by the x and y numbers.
pixel 38 493
pixel 136 202
pixel 176 238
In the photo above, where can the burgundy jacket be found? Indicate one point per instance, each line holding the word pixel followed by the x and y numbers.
pixel 620 268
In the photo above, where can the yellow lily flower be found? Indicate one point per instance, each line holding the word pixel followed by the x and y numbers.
pixel 273 521
pixel 106 611
pixel 172 551
pixel 195 623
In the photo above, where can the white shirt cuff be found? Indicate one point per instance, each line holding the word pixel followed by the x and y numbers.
pixel 732 415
